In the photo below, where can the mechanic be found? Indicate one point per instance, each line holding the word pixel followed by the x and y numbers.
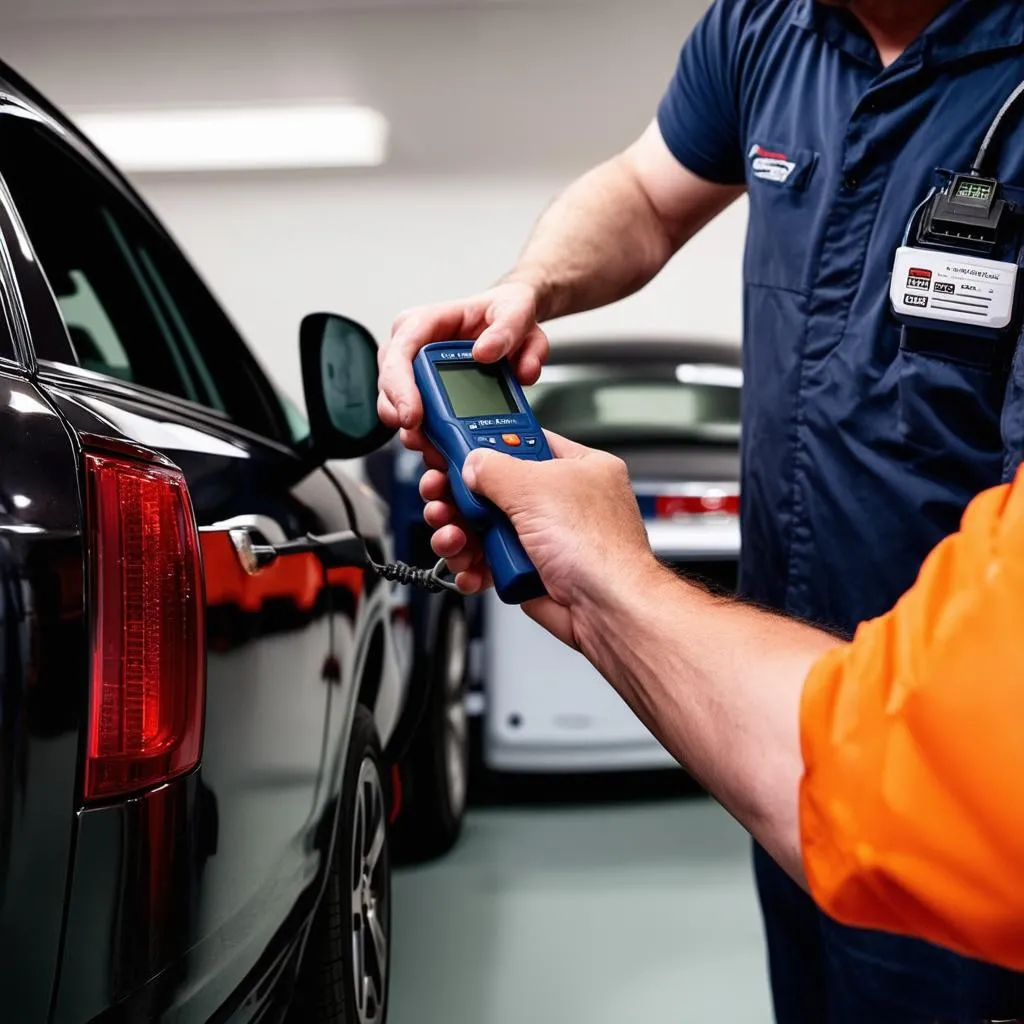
pixel 863 440
pixel 910 812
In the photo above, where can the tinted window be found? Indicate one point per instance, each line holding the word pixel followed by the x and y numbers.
pixel 621 402
pixel 133 307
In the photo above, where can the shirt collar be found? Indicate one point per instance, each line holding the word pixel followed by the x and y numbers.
pixel 964 29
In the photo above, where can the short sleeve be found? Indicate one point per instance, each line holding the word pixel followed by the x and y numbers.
pixel 912 801
pixel 699 113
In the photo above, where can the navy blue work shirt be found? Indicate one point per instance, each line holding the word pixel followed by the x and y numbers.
pixel 862 443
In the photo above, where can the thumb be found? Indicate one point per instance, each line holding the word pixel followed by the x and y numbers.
pixel 564 448
pixel 510 322
pixel 496 476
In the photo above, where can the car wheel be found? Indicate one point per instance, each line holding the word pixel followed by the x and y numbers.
pixel 435 773
pixel 346 967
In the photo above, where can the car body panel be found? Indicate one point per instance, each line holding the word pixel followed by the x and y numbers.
pixel 43 679
pixel 282 665
pixel 190 901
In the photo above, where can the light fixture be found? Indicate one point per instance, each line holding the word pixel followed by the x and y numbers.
pixel 710 375
pixel 241 138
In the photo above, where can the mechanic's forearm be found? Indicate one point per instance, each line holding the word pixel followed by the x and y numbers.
pixel 600 241
pixel 719 684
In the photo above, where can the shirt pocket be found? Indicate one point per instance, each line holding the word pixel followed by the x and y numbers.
pixel 782 189
pixel 949 418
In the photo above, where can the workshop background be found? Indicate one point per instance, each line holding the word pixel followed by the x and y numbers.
pixel 635 908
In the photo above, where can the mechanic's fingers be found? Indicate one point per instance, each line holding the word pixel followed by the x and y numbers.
pixel 563 448
pixel 398 388
pixel 532 356
pixel 416 441
pixel 412 331
pixel 439 513
pixel 504 479
pixel 467 561
pixel 386 411
pixel 449 542
pixel 434 486
pixel 555 618
pixel 501 478
pixel 511 319
pixel 473 581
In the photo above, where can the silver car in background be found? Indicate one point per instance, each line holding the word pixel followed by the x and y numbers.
pixel 671 410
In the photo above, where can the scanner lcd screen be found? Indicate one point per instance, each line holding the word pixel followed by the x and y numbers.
pixel 476 390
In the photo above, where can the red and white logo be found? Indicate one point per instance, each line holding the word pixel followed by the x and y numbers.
pixel 769 166
pixel 919 277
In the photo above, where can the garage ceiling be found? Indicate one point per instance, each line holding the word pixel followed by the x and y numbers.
pixel 498 86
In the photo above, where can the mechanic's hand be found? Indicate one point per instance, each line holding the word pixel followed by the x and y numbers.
pixel 502 322
pixel 576 516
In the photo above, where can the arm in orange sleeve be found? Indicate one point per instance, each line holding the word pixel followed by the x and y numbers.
pixel 912 800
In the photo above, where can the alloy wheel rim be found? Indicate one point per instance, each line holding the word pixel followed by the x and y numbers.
pixel 456 718
pixel 370 896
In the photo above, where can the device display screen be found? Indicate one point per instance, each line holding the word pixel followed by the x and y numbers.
pixel 968 189
pixel 476 390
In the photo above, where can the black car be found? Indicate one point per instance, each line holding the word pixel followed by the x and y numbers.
pixel 194 694
pixel 435 772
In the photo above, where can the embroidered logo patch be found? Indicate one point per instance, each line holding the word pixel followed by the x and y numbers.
pixel 769 165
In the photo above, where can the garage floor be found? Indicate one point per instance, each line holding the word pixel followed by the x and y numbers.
pixel 583 913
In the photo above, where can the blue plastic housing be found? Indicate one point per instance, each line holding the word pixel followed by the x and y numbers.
pixel 518 434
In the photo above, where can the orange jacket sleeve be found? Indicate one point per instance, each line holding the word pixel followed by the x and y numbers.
pixel 912 802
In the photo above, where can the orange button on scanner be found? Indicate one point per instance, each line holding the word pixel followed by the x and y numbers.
pixel 512 440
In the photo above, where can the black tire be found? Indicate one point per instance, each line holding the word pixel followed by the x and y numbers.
pixel 436 771
pixel 356 905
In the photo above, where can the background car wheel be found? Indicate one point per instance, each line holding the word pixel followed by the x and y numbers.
pixel 435 774
pixel 346 967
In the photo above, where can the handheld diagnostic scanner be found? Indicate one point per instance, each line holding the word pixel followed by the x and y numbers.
pixel 469 405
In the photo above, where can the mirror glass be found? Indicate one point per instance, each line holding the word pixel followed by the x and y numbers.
pixel 348 370
pixel 339 379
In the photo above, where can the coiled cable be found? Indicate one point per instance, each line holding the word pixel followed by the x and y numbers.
pixel 427 579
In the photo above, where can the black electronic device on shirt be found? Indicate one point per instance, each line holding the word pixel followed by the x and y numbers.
pixel 959 265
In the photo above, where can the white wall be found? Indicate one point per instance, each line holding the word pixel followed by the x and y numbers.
pixel 275 250
pixel 494 107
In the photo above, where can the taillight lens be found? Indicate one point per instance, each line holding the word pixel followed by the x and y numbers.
pixel 148 671
pixel 712 503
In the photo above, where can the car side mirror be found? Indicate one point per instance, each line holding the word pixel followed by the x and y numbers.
pixel 339 378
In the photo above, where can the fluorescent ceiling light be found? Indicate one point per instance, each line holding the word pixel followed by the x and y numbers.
pixel 243 138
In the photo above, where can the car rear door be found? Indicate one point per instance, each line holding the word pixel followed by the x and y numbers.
pixel 148 357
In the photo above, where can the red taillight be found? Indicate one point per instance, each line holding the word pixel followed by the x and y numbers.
pixel 669 506
pixel 148 671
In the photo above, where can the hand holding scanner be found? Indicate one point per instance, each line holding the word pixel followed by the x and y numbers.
pixel 469 405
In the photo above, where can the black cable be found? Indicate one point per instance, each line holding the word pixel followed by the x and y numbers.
pixel 348 548
pixel 978 167
pixel 410 576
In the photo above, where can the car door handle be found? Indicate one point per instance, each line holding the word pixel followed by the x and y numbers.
pixel 333 549
pixel 265 529
pixel 254 538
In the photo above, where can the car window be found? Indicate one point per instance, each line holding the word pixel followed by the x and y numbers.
pixel 133 307
pixel 298 425
pixel 592 402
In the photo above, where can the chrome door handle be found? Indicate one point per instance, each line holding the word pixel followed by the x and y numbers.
pixel 333 549
pixel 255 538
pixel 265 527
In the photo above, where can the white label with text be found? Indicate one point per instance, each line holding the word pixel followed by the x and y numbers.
pixel 968 290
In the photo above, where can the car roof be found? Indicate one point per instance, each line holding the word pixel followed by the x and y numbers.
pixel 13 82
pixel 625 349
